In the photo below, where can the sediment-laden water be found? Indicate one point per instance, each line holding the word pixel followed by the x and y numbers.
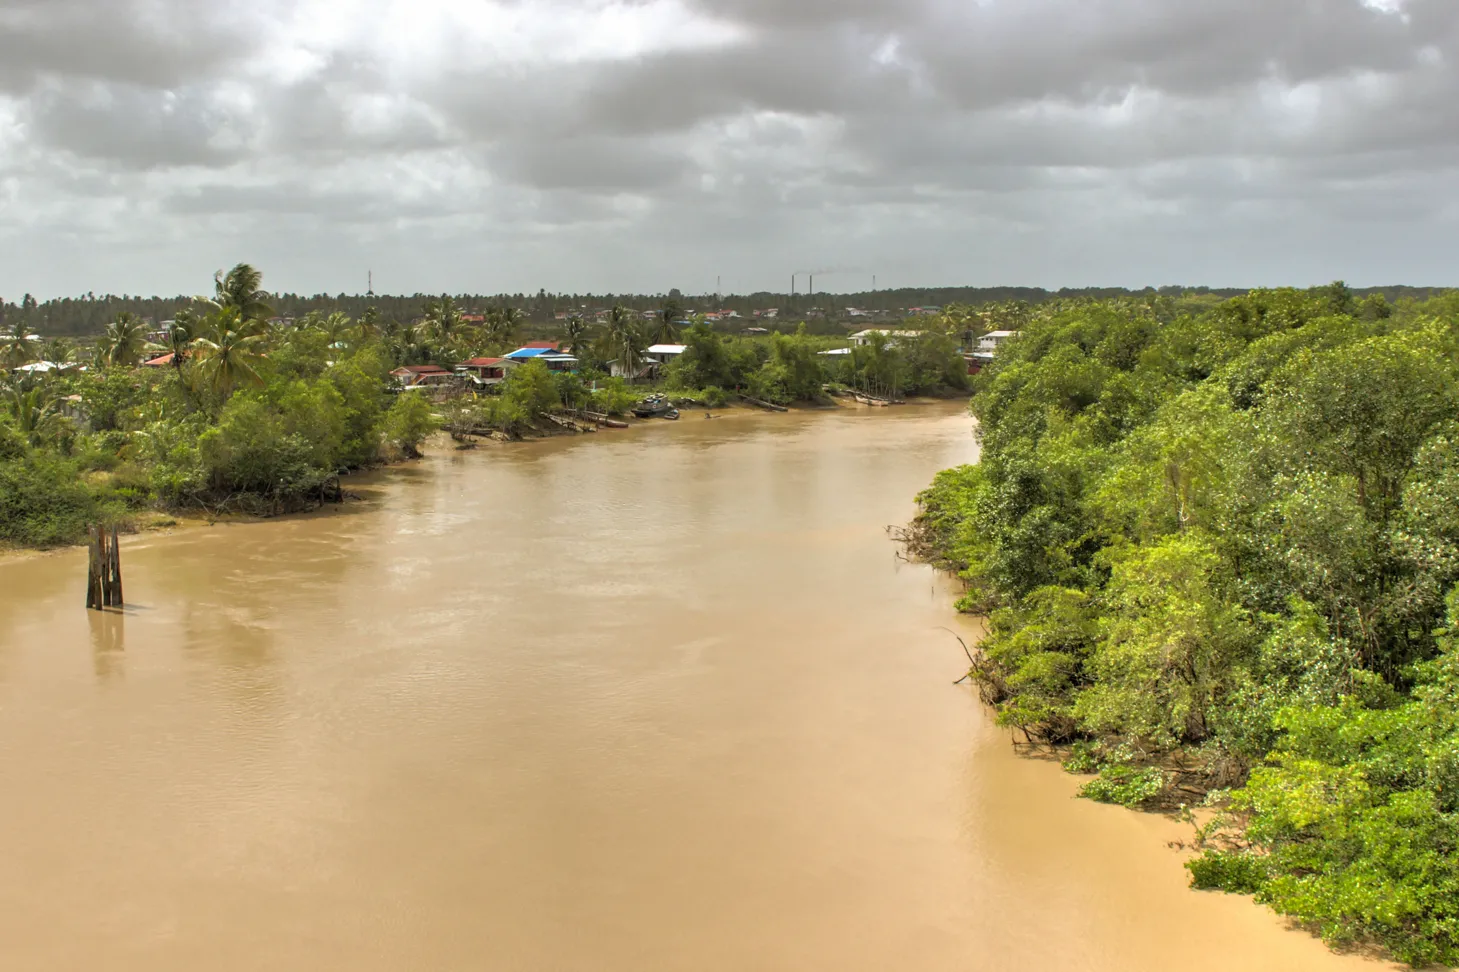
pixel 654 700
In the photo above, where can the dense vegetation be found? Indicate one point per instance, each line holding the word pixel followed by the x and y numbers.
pixel 1219 553
pixel 89 314
pixel 258 412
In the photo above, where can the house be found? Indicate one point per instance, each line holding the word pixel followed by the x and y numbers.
pixel 891 337
pixel 485 371
pixel 421 376
pixel 990 343
pixel 647 370
pixel 837 353
pixel 546 352
pixel 162 361
pixel 473 318
pixel 978 360
pixel 924 311
pixel 753 331
pixel 857 312
pixel 664 353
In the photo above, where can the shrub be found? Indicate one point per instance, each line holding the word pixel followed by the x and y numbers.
pixel 1127 786
pixel 1234 872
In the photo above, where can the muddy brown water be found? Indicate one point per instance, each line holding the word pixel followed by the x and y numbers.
pixel 654 700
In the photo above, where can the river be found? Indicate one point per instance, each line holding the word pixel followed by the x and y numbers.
pixel 662 699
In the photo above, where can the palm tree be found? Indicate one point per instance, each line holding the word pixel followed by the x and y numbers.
pixel 229 351
pixel 368 325
pixel 125 340
pixel 35 412
pixel 180 336
pixel 576 332
pixel 624 340
pixel 443 318
pixel 337 327
pixel 502 324
pixel 17 346
pixel 667 330
pixel 242 290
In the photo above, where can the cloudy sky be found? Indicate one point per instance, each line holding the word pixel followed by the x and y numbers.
pixel 474 145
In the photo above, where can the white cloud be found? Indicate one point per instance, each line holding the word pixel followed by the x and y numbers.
pixel 614 145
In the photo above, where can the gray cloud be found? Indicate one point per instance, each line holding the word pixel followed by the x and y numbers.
pixel 586 144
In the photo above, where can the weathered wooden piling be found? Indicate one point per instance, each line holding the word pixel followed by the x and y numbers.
pixel 104 569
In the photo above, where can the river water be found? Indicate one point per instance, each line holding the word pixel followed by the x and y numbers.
pixel 661 699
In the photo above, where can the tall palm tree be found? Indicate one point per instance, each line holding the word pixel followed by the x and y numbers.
pixel 125 340
pixel 443 318
pixel 18 346
pixel 337 327
pixel 625 340
pixel 576 332
pixel 667 329
pixel 502 325
pixel 368 325
pixel 229 351
pixel 180 336
pixel 242 290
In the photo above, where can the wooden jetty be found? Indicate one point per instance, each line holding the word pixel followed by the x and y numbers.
pixel 104 573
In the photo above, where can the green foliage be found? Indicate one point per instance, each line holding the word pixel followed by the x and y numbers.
pixel 410 421
pixel 1127 786
pixel 1231 871
pixel 45 501
pixel 1227 529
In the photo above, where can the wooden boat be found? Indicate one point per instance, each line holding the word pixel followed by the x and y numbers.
pixel 655 406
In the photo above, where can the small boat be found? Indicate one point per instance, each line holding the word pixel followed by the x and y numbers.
pixel 672 414
pixel 655 406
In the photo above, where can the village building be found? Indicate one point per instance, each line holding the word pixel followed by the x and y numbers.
pixel 422 376
pixel 547 352
pixel 993 340
pixel 486 371
pixel 874 334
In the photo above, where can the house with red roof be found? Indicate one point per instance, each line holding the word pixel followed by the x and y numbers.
pixel 417 376
pixel 486 371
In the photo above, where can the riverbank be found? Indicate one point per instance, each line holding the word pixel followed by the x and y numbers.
pixel 671 690
pixel 163 522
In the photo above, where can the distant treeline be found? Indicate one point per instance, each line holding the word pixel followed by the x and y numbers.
pixel 88 315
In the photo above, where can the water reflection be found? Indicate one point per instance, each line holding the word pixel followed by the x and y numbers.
pixel 108 644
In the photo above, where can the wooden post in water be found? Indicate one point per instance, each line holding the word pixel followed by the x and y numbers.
pixel 104 569
pixel 116 570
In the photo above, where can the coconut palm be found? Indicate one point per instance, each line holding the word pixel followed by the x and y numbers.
pixel 242 290
pixel 667 327
pixel 337 327
pixel 124 341
pixel 502 325
pixel 368 325
pixel 229 351
pixel 18 346
pixel 180 336
pixel 624 340
pixel 443 318
pixel 35 412
pixel 576 331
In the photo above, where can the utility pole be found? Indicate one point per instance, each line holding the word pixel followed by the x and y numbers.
pixel 370 285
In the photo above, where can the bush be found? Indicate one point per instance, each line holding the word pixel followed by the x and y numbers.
pixel 410 421
pixel 1231 871
pixel 46 502
pixel 1127 786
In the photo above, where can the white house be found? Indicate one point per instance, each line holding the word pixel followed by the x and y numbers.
pixel 892 337
pixel 664 353
pixel 990 343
